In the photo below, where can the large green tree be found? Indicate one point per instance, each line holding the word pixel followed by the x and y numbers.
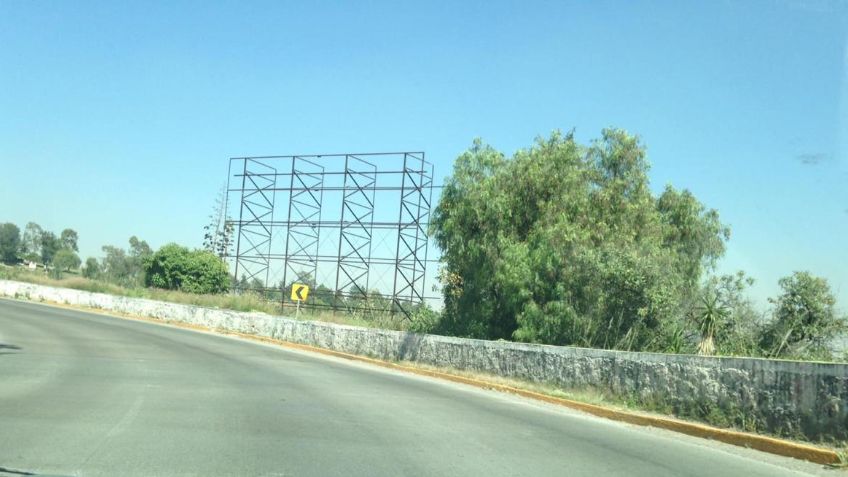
pixel 139 252
pixel 91 270
pixel 10 242
pixel 115 267
pixel 564 243
pixel 32 239
pixel 66 260
pixel 50 244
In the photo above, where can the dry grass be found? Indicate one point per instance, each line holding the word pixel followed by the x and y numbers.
pixel 246 302
pixel 588 396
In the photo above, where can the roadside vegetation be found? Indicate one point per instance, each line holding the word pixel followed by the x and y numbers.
pixel 173 273
pixel 248 301
pixel 566 244
pixel 563 243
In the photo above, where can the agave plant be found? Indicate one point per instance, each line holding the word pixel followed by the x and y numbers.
pixel 712 311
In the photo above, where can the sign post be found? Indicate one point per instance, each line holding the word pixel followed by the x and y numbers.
pixel 299 293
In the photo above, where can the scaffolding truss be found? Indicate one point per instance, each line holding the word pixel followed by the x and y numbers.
pixel 256 211
pixel 303 230
pixel 355 228
pixel 355 233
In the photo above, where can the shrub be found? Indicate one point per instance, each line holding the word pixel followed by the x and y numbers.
pixel 194 271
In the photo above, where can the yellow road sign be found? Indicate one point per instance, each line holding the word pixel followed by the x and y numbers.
pixel 299 292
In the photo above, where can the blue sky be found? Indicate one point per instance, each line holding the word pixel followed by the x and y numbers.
pixel 118 118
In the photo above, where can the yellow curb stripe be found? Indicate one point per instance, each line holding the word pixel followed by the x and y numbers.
pixel 762 443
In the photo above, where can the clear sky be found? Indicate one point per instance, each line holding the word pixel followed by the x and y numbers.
pixel 118 117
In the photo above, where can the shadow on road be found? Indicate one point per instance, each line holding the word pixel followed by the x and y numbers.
pixel 4 470
pixel 4 346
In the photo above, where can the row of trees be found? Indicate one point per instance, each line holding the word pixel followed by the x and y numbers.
pixel 566 244
pixel 171 267
pixel 38 245
pixel 123 267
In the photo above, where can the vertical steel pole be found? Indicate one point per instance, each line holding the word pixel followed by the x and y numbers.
pixel 415 259
pixel 241 212
pixel 427 235
pixel 371 231
pixel 227 204
pixel 271 229
pixel 400 230
pixel 341 232
pixel 288 226
pixel 318 238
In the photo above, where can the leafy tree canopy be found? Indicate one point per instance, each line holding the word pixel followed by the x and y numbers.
pixel 91 269
pixel 565 244
pixel 139 248
pixel 50 244
pixel 124 267
pixel 32 239
pixel 66 259
pixel 805 320
pixel 69 239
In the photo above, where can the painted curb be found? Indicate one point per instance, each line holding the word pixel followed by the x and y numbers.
pixel 762 443
pixel 771 445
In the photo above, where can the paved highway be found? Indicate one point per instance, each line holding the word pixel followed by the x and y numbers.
pixel 86 394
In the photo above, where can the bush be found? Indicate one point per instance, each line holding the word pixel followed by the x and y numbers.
pixel 423 320
pixel 194 271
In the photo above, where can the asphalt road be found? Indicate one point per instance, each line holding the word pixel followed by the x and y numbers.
pixel 86 394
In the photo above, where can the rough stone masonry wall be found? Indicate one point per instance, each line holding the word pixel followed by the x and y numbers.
pixel 801 399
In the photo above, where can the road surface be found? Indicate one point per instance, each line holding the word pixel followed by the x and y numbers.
pixel 87 394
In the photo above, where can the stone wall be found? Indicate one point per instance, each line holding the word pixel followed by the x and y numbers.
pixel 799 399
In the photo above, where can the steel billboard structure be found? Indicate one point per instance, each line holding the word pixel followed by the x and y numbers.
pixel 352 226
